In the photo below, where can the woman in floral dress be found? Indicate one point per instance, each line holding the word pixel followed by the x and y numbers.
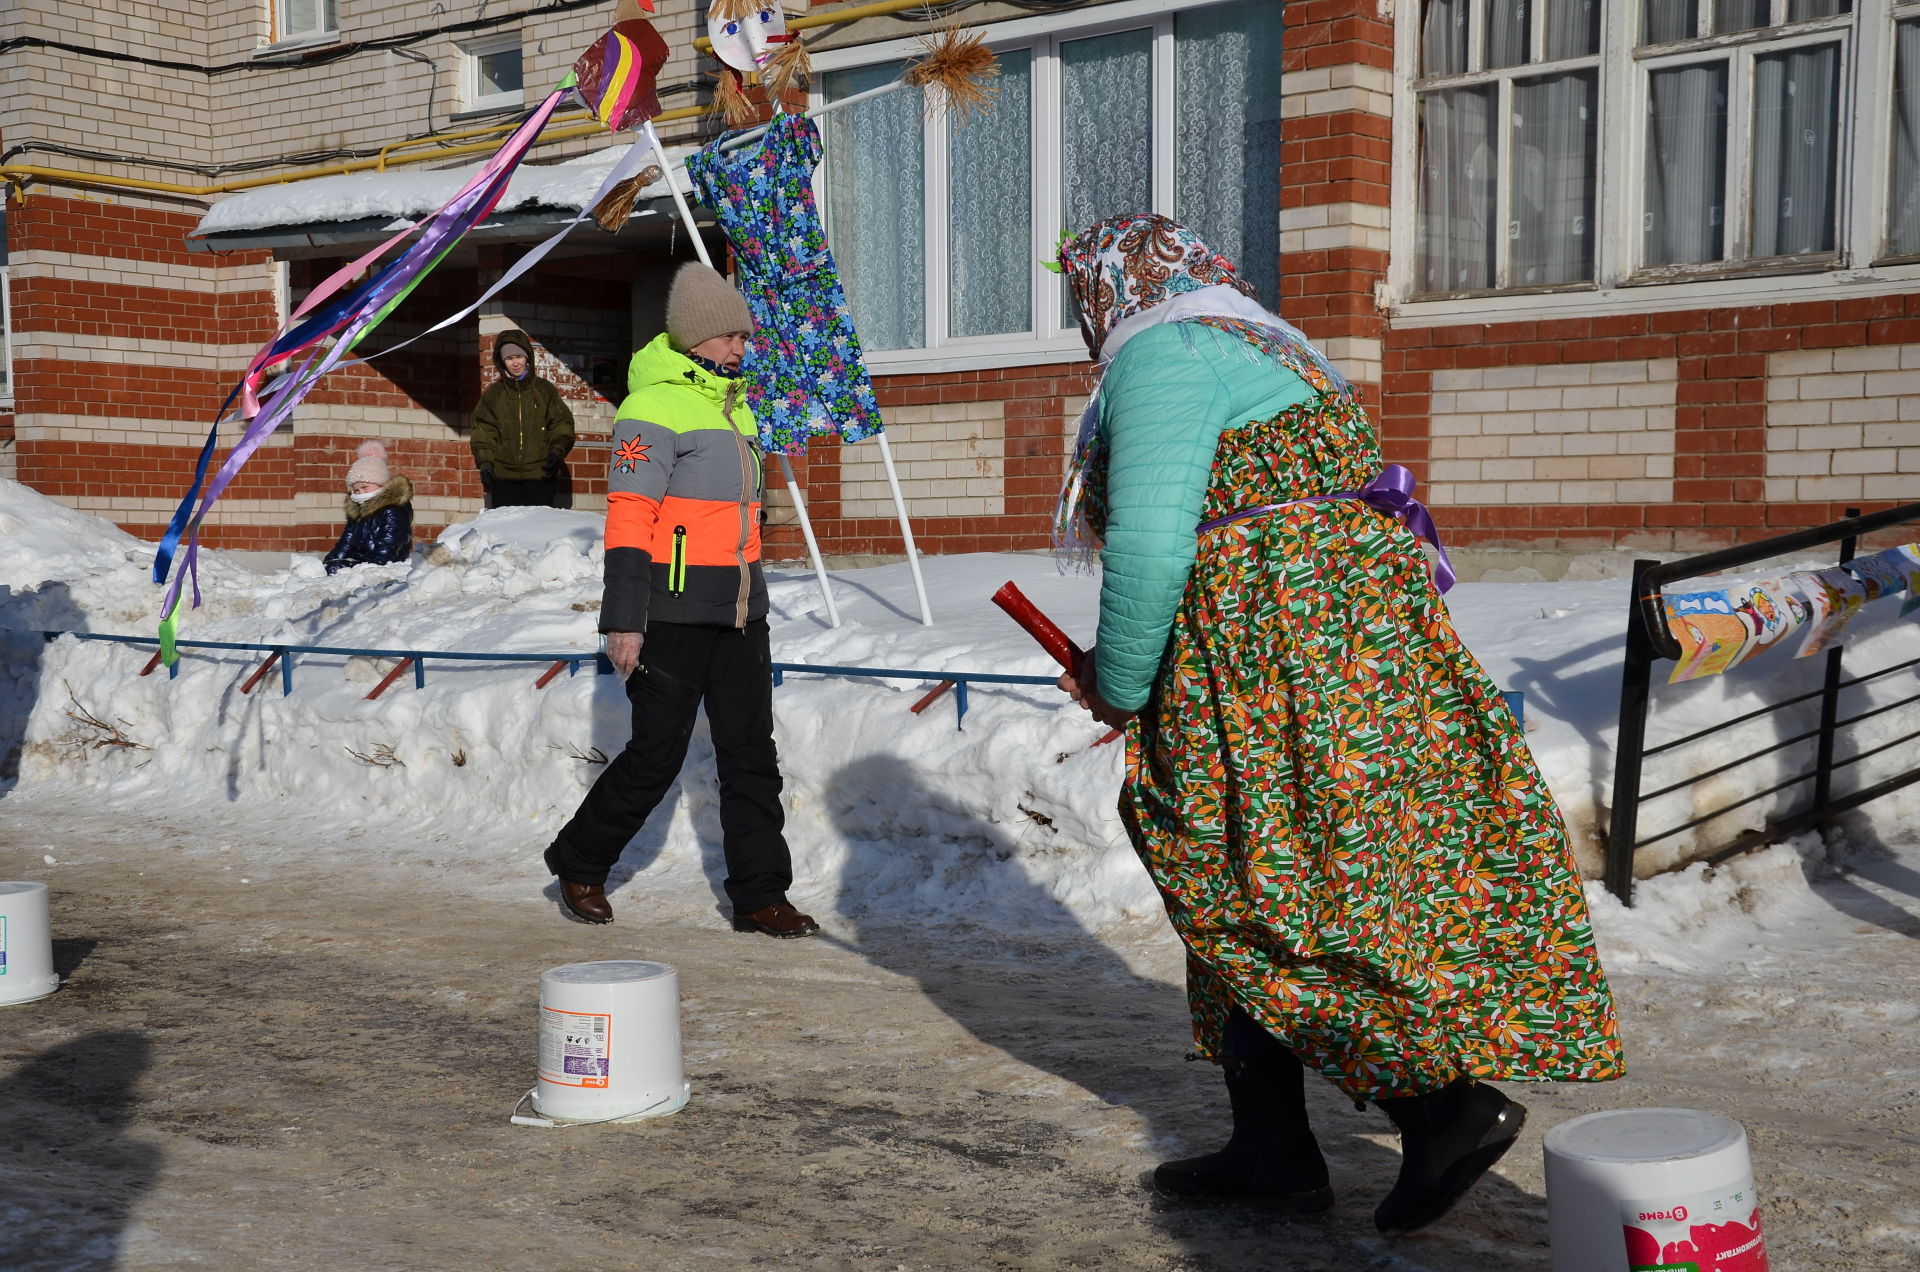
pixel 1336 803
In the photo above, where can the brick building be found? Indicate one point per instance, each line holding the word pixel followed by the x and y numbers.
pixel 1614 275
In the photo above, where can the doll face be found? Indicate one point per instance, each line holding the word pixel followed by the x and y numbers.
pixel 747 41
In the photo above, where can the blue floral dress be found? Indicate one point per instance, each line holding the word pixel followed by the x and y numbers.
pixel 804 371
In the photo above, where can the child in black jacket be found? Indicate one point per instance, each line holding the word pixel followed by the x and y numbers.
pixel 379 514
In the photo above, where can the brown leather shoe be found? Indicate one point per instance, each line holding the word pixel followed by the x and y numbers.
pixel 778 919
pixel 586 902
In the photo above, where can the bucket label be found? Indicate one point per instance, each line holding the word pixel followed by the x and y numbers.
pixel 1717 1231
pixel 576 1047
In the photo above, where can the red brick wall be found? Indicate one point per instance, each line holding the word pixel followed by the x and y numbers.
pixel 1720 414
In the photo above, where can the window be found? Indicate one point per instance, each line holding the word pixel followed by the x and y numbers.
pixel 940 227
pixel 305 19
pixel 1583 143
pixel 491 73
pixel 1508 117
pixel 1903 213
pixel 1742 143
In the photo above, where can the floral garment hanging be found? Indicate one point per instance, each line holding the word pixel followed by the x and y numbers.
pixel 804 370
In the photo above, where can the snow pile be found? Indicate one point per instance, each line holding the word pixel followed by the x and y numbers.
pixel 411 194
pixel 1008 821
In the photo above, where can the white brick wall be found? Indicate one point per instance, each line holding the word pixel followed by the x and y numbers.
pixel 951 458
pixel 1598 432
pixel 1844 424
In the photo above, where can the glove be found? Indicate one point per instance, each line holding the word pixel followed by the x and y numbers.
pixel 486 476
pixel 553 466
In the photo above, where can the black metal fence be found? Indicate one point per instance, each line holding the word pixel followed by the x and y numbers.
pixel 1649 641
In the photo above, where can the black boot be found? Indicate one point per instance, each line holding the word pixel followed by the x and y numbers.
pixel 1448 1139
pixel 1271 1158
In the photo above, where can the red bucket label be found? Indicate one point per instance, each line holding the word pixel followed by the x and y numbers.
pixel 1715 1231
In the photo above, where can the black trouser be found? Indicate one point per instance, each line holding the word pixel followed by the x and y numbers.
pixel 731 670
pixel 537 493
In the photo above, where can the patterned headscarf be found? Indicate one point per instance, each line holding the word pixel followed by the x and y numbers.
pixel 1124 265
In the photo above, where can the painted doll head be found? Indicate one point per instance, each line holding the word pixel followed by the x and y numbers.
pixel 746 34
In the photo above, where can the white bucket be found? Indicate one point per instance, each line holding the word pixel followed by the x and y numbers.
pixel 26 944
pixel 609 1042
pixel 1633 1189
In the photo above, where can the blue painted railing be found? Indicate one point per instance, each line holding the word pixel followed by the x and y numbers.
pixel 573 659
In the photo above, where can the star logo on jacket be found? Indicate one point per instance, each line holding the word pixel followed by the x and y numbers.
pixel 631 452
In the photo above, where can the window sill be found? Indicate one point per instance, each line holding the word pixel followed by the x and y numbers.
pixel 939 361
pixel 1668 295
pixel 297 48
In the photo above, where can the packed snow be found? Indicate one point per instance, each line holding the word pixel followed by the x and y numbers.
pixel 479 752
pixel 407 195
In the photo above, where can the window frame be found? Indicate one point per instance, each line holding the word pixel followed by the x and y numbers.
pixel 1859 264
pixel 1876 192
pixel 472 100
pixel 1053 337
pixel 325 32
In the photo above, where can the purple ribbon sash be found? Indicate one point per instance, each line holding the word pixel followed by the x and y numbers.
pixel 1392 493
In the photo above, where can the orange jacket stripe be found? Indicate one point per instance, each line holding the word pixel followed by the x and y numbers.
pixel 630 521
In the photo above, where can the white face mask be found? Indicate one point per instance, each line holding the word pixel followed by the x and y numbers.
pixel 745 43
pixel 361 497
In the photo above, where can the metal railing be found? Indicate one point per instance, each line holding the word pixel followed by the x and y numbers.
pixel 1649 641
pixel 281 655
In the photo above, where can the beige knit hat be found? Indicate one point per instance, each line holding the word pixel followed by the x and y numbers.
pixel 701 305
pixel 371 466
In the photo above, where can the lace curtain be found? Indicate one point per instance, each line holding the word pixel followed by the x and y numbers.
pixel 990 249
pixel 1903 235
pixel 1796 126
pixel 1227 136
pixel 1686 165
pixel 1457 158
pixel 876 208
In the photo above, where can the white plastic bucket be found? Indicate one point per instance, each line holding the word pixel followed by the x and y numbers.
pixel 26 944
pixel 610 1042
pixel 1632 1189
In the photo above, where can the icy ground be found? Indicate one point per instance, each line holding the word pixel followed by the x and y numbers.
pixel 303 936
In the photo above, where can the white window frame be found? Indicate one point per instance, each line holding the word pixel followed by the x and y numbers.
pixel 471 98
pixel 1502 78
pixel 1739 51
pixel 1054 340
pixel 327 30
pixel 1874 220
pixel 1857 268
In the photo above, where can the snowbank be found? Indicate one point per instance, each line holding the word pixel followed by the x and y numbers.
pixel 1007 820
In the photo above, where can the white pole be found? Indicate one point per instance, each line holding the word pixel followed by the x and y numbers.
pixel 786 469
pixel 813 545
pixel 906 531
pixel 679 200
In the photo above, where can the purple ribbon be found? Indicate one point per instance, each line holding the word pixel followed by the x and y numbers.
pixel 1392 493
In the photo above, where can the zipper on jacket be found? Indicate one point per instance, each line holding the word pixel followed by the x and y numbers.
pixel 677 568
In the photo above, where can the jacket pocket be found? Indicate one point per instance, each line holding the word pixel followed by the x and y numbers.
pixel 677 568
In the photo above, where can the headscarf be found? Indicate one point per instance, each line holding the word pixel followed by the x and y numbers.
pixel 1128 273
pixel 1124 265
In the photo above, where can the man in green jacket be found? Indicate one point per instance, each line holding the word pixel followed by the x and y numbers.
pixel 521 429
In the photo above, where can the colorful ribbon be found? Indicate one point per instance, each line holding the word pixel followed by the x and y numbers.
pixel 1392 493
pixel 348 320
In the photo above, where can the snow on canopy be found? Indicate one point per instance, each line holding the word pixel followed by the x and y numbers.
pixel 406 195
